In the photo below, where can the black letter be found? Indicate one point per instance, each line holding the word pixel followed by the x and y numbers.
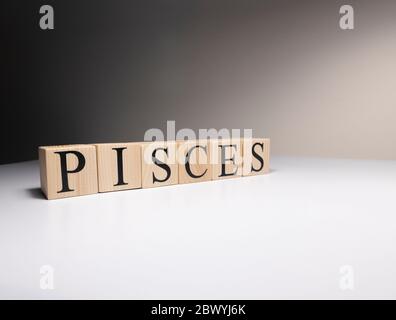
pixel 223 160
pixel 120 166
pixel 64 171
pixel 161 164
pixel 188 168
pixel 257 156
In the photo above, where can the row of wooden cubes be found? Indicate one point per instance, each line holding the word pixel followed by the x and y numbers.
pixel 75 170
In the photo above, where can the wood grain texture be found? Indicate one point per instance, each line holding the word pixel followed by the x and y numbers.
pixel 226 158
pixel 83 182
pixel 119 166
pixel 256 156
pixel 164 170
pixel 194 161
pixel 75 170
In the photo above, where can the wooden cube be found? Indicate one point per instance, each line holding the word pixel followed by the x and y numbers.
pixel 256 155
pixel 193 160
pixel 226 158
pixel 119 166
pixel 68 171
pixel 159 164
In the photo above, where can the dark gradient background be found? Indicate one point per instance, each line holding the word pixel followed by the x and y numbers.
pixel 113 69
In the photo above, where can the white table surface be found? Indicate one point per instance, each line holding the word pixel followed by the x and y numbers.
pixel 283 235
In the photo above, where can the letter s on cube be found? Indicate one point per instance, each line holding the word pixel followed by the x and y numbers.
pixel 68 171
pixel 256 156
pixel 159 164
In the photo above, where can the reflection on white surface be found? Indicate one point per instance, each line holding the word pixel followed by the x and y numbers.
pixel 284 235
